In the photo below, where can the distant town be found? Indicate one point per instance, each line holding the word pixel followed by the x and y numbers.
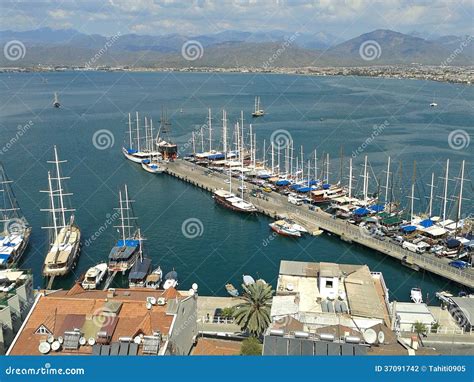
pixel 452 74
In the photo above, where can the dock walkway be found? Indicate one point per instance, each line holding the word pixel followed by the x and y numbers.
pixel 276 204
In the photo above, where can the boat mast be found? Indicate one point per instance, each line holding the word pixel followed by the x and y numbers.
pixel 254 150
pixel 264 155
pixel 460 193
pixel 209 123
pixel 445 198
pixel 152 148
pixel 350 177
pixel 138 132
pixel 53 209
pixel 430 206
pixel 302 163
pixel 327 168
pixel 147 143
pixel 365 179
pixel 202 140
pixel 194 145
pixel 60 189
pixel 315 165
pixel 273 159
pixel 127 207
pixel 224 133
pixel 251 144
pixel 412 197
pixel 130 130
pixel 122 218
pixel 387 180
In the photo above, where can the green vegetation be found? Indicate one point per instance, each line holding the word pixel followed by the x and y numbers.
pixel 251 346
pixel 253 315
pixel 228 312
pixel 420 328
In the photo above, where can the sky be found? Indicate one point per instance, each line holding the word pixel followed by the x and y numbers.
pixel 342 18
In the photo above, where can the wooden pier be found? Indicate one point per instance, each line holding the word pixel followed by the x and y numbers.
pixel 274 205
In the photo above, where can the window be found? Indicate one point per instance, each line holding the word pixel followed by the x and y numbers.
pixel 328 283
pixel 43 330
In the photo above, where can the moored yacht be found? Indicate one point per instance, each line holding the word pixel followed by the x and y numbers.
pixel 232 202
pixel 16 231
pixel 171 280
pixel 65 234
pixel 139 272
pixel 153 280
pixel 283 228
pixel 94 276
pixel 138 151
pixel 125 253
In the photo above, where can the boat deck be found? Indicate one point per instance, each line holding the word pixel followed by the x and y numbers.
pixel 275 205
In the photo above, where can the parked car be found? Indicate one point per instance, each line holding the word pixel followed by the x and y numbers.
pixel 459 264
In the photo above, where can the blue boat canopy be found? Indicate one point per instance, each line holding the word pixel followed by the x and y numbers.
pixel 146 161
pixel 264 176
pixel 304 189
pixel 216 156
pixel 282 182
pixel 409 228
pixel 377 208
pixel 452 243
pixel 128 243
pixel 132 151
pixel 427 223
pixel 326 186
pixel 361 211
pixel 313 182
pixel 295 186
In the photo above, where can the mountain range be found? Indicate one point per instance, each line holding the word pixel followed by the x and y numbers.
pixel 232 48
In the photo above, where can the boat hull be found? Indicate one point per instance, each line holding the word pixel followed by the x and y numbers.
pixel 224 203
pixel 151 170
pixel 49 271
pixel 279 230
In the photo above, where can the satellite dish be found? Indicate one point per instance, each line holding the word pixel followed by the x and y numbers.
pixel 191 292
pixel 55 345
pixel 195 287
pixel 44 347
pixel 60 339
pixel 50 339
pixel 381 337
pixel 152 300
pixel 148 305
pixel 82 341
pixel 137 340
pixel 370 336
pixel 91 341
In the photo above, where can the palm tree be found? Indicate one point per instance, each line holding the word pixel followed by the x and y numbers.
pixel 253 315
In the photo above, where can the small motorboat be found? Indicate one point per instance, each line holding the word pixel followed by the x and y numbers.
pixel 171 280
pixel 297 226
pixel 416 296
pixel 56 103
pixel 94 276
pixel 281 227
pixel 232 290
pixel 248 280
pixel 153 280
pixel 152 166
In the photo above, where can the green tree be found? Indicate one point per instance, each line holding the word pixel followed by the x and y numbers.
pixel 228 312
pixel 251 346
pixel 253 314
pixel 420 328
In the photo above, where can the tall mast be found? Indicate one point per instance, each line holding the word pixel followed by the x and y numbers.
pixel 254 150
pixel 127 207
pixel 194 144
pixel 122 217
pixel 264 155
pixel 412 197
pixel 152 141
pixel 430 205
pixel 251 143
pixel 365 178
pixel 273 159
pixel 315 165
pixel 350 177
pixel 202 140
pixel 209 123
pixel 60 188
pixel 53 208
pixel 387 181
pixel 138 132
pixel 147 145
pixel 224 133
pixel 460 192
pixel 341 165
pixel 130 130
pixel 327 168
pixel 445 198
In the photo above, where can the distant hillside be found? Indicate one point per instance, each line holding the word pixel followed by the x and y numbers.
pixel 235 49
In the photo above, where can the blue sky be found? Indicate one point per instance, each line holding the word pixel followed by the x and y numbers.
pixel 342 18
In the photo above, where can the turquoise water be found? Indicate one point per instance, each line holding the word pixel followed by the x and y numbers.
pixel 319 112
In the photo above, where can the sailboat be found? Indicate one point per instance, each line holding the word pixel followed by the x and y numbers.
pixel 65 234
pixel 153 163
pixel 136 152
pixel 258 112
pixel 166 147
pixel 56 103
pixel 126 251
pixel 16 230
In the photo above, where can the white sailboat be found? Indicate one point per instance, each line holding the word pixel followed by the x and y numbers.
pixel 16 231
pixel 136 151
pixel 65 235
pixel 258 111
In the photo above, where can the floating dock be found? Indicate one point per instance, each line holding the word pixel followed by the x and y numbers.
pixel 276 205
